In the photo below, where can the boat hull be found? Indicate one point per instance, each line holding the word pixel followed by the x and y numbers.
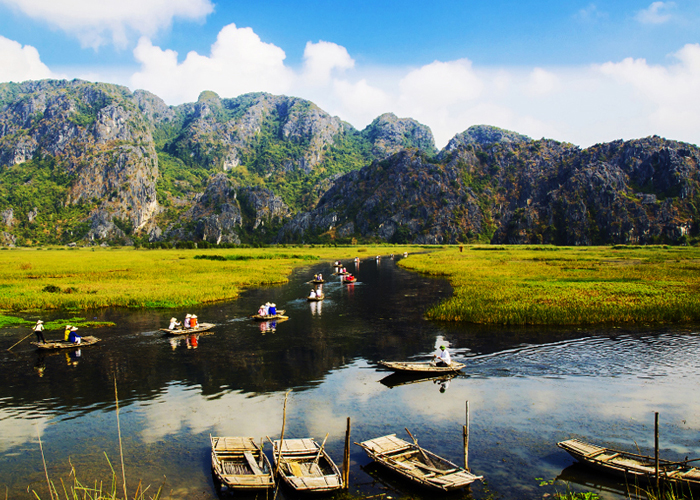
pixel 240 464
pixel 421 367
pixel 417 465
pixel 202 327
pixel 61 344
pixel 306 467
pixel 635 468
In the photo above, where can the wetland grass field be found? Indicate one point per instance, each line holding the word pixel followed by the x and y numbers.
pixel 87 278
pixel 545 285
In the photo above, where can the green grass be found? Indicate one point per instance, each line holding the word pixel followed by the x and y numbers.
pixel 83 279
pixel 565 285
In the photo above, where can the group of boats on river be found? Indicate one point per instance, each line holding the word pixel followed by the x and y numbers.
pixel 239 463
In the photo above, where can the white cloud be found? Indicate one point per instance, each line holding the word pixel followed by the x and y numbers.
pixel 656 13
pixel 239 62
pixel 320 59
pixel 542 82
pixel 21 63
pixel 441 84
pixel 671 91
pixel 97 23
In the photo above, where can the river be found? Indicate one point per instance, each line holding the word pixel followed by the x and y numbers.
pixel 527 388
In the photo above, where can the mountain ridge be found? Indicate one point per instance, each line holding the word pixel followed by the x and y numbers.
pixel 98 163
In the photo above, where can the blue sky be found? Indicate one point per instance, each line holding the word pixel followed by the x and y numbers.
pixel 575 71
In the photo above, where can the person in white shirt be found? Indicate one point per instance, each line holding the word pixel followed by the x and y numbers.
pixel 444 357
pixel 312 294
pixel 39 330
pixel 173 324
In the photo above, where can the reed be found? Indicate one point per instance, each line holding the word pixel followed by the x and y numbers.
pixel 89 278
pixel 565 286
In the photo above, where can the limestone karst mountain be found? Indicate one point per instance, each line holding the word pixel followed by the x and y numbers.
pixel 96 163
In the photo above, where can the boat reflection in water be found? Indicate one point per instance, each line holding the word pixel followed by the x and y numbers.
pixel 316 307
pixel 397 379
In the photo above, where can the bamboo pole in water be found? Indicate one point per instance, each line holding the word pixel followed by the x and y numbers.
pixel 465 437
pixel 346 457
pixel 284 421
pixel 656 448
pixel 20 341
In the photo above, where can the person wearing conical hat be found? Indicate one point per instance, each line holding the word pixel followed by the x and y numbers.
pixel 66 332
pixel 187 320
pixel 193 321
pixel 272 310
pixel 174 323
pixel 73 337
pixel 39 330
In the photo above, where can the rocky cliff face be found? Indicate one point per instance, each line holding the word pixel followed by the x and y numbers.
pixel 517 191
pixel 95 162
pixel 97 135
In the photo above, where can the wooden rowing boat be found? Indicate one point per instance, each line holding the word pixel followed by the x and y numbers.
pixel 636 468
pixel 417 464
pixel 317 282
pixel 269 317
pixel 240 464
pixel 202 327
pixel 317 298
pixel 421 366
pixel 63 344
pixel 305 466
pixel 348 279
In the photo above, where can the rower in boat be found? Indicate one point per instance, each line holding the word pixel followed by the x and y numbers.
pixel 444 358
pixel 312 294
pixel 74 337
pixel 174 324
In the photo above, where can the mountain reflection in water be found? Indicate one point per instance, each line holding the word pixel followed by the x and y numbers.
pixel 528 388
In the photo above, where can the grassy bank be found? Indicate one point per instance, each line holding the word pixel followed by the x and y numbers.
pixel 565 286
pixel 40 279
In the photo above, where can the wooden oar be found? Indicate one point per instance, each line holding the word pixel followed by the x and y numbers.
pixel 423 454
pixel 320 450
pixel 21 340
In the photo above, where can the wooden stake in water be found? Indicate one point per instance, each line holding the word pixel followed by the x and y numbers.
pixel 346 457
pixel 465 437
pixel 656 448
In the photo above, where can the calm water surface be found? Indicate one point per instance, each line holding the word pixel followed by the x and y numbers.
pixel 527 389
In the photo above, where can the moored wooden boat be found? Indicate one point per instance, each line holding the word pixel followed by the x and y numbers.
pixel 240 464
pixel 202 327
pixel 637 468
pixel 279 315
pixel 417 464
pixel 305 466
pixel 421 366
pixel 63 344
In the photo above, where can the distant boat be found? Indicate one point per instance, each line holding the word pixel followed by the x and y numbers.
pixel 317 298
pixel 306 467
pixel 348 279
pixel 421 367
pixel 317 282
pixel 636 468
pixel 417 464
pixel 240 464
pixel 65 344
pixel 269 317
pixel 202 327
